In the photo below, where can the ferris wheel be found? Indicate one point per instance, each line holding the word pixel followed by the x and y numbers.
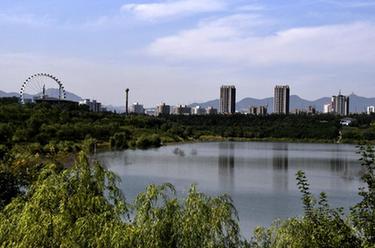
pixel 35 87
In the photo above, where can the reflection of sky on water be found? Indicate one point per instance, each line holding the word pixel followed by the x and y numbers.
pixel 259 176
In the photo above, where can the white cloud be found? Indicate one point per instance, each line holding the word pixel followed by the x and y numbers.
pixel 224 40
pixel 25 19
pixel 105 81
pixel 153 11
pixel 351 3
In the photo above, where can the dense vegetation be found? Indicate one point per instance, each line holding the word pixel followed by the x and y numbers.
pixel 52 195
pixel 68 128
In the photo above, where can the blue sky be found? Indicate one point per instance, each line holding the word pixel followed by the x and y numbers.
pixel 181 51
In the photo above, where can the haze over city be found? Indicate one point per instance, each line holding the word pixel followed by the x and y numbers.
pixel 181 51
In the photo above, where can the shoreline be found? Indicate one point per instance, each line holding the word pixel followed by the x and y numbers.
pixel 105 146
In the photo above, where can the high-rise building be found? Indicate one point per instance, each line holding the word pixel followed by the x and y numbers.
pixel 281 99
pixel 163 109
pixel 227 99
pixel 340 105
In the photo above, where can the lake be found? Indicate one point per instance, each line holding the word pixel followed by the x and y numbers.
pixel 259 176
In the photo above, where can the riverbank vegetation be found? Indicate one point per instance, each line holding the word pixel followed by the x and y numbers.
pixel 69 128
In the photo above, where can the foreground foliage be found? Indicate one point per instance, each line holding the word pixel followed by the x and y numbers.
pixel 323 226
pixel 320 226
pixel 45 205
pixel 82 207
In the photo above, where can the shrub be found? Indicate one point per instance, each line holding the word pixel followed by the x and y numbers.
pixel 146 141
pixel 119 141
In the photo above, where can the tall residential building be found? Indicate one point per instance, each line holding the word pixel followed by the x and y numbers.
pixel 163 109
pixel 281 100
pixel 227 99
pixel 340 105
pixel 370 110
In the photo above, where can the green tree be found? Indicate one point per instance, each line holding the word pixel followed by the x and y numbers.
pixel 120 140
pixel 321 226
pixel 9 187
pixel 363 213
pixel 82 207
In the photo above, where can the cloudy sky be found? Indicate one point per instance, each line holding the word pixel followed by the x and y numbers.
pixel 181 51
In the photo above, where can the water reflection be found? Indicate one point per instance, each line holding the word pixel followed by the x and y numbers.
pixel 338 164
pixel 226 164
pixel 280 164
pixel 179 152
pixel 255 174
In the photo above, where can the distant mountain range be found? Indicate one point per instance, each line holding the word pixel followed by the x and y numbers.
pixel 357 103
pixel 52 92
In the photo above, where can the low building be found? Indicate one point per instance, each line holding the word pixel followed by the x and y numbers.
pixel 93 105
pixel 327 108
pixel 311 110
pixel 299 111
pixel 198 110
pixel 163 109
pixel 260 110
pixel 151 112
pixel 137 108
pixel 253 110
pixel 211 110
pixel 370 110
pixel 182 110
pixel 347 121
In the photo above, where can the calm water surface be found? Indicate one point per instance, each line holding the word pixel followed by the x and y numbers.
pixel 259 176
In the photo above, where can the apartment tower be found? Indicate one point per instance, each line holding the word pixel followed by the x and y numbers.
pixel 281 100
pixel 227 99
pixel 340 104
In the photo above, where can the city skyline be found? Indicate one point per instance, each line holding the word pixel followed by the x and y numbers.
pixel 269 100
pixel 170 50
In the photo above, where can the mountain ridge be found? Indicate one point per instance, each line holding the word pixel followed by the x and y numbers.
pixel 52 92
